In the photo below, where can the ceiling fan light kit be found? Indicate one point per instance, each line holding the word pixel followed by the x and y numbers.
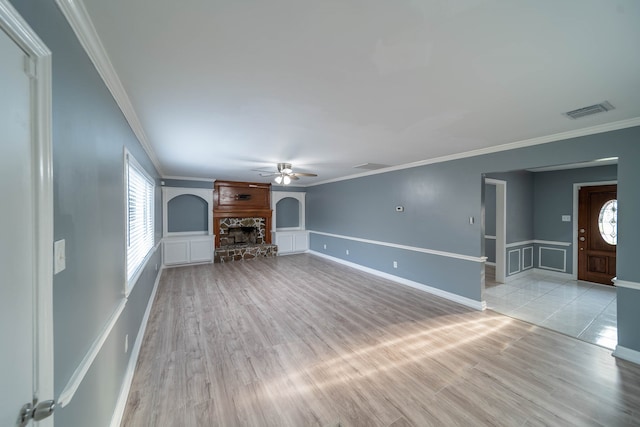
pixel 286 174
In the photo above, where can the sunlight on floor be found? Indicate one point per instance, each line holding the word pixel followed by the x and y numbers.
pixel 366 363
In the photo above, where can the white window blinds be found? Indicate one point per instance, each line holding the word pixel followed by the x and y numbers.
pixel 140 217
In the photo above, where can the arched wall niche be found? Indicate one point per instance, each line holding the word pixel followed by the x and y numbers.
pixel 170 193
pixel 284 196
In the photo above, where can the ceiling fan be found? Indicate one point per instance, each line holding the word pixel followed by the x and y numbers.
pixel 285 174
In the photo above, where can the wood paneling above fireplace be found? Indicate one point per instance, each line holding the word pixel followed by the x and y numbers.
pixel 234 199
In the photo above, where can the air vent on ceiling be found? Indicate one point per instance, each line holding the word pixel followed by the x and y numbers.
pixel 371 166
pixel 603 107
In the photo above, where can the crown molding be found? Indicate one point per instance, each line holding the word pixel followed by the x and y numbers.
pixel 592 130
pixel 76 14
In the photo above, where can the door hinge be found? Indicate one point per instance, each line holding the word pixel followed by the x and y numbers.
pixel 41 411
pixel 30 67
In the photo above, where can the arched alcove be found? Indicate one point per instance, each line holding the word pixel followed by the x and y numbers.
pixel 288 229
pixel 187 211
pixel 187 225
pixel 288 213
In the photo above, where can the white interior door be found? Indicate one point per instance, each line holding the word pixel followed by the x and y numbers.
pixel 17 225
pixel 26 220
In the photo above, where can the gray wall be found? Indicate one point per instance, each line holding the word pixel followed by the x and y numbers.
pixel 287 213
pixel 89 134
pixel 440 198
pixel 553 197
pixel 187 213
pixel 519 216
pixel 187 183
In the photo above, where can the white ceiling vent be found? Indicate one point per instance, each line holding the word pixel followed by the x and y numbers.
pixel 371 166
pixel 591 109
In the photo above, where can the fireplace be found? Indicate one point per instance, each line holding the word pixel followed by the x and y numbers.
pixel 242 221
pixel 239 236
pixel 242 231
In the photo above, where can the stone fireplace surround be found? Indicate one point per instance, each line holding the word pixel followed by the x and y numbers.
pixel 242 239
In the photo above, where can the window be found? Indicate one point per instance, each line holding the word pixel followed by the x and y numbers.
pixel 139 196
pixel 608 222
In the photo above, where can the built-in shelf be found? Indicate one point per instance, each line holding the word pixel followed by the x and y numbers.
pixel 187 247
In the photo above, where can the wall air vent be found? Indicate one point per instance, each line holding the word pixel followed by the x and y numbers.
pixel 371 166
pixel 591 109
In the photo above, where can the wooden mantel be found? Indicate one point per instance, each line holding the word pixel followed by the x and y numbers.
pixel 234 199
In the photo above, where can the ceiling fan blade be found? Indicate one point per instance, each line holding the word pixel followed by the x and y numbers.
pixel 303 174
pixel 294 177
pixel 270 174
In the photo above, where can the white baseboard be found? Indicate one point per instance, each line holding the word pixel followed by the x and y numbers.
pixel 556 274
pixel 526 273
pixel 121 403
pixel 627 354
pixel 490 263
pixel 476 305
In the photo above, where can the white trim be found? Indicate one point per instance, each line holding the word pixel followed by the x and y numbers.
pixel 627 354
pixel 486 236
pixel 606 127
pixel 276 196
pixel 501 227
pixel 23 35
pixel 626 284
pixel 537 242
pixel 564 253
pixel 520 275
pixel 490 263
pixel 530 248
pixel 408 248
pixel 476 305
pixel 121 403
pixel 576 195
pixel 169 193
pixel 78 375
pixel 80 21
pixel 555 274
pixel 509 262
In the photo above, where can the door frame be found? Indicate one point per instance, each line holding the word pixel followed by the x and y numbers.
pixel 42 160
pixel 501 227
pixel 574 242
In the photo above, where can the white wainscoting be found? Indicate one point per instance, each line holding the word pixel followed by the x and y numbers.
pixel 510 256
pixel 547 267
pixel 527 260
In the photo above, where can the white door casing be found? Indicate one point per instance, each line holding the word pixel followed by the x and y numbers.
pixel 26 220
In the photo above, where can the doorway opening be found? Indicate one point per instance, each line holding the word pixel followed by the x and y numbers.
pixel 542 230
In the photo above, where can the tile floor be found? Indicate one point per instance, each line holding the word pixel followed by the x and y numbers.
pixel 583 310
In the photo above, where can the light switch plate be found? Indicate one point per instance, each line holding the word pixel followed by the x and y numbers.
pixel 566 218
pixel 59 256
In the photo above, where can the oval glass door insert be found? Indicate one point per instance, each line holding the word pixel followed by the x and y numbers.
pixel 608 222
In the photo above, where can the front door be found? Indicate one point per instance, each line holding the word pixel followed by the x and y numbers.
pixel 597 233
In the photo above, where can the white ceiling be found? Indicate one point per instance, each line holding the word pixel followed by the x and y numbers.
pixel 222 87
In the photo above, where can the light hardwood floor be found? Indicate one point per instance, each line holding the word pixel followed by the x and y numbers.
pixel 301 341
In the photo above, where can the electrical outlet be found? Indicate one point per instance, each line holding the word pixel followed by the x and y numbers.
pixel 126 343
pixel 395 264
pixel 347 251
pixel 471 220
pixel 566 218
pixel 325 246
